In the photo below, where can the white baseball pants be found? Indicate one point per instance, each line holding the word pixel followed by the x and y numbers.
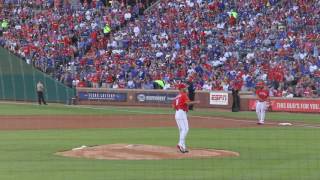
pixel 182 122
pixel 261 110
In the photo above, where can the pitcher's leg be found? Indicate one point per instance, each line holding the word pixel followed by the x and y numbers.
pixel 180 125
pixel 263 112
pixel 185 130
pixel 258 111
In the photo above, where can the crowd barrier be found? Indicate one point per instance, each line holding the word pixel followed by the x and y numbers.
pixel 140 97
pixel 214 99
pixel 18 81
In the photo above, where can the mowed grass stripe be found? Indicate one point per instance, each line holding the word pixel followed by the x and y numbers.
pixel 57 109
pixel 265 153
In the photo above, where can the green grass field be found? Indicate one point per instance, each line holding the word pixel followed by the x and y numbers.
pixel 265 153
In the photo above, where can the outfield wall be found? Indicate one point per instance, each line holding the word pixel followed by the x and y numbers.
pixel 18 81
pixel 140 97
pixel 216 99
pixel 305 105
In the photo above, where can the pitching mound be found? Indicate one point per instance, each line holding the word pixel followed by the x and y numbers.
pixel 141 152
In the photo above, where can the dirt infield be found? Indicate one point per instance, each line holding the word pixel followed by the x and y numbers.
pixel 141 152
pixel 128 121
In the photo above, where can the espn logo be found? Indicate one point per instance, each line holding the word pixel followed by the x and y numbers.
pixel 218 98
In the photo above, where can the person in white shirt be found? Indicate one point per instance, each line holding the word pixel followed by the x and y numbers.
pixel 127 16
pixel 40 90
pixel 115 85
pixel 207 86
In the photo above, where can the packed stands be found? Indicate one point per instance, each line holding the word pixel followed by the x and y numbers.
pixel 219 45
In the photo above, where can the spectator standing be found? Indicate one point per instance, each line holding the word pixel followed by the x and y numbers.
pixel 236 87
pixel 40 91
pixel 236 100
pixel 191 92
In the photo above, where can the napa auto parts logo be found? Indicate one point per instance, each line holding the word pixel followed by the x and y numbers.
pixel 141 97
pixel 217 98
pixel 162 98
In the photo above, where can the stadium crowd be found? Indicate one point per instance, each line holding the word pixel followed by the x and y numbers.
pixel 219 45
pixel 56 39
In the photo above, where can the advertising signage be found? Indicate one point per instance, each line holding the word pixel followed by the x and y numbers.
pixel 291 105
pixel 218 98
pixel 165 98
pixel 103 96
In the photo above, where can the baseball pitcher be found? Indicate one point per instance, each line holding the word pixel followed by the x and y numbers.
pixel 180 105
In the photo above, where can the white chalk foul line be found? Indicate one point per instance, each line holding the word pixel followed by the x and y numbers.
pixel 201 117
pixel 146 112
pixel 235 120
pixel 252 121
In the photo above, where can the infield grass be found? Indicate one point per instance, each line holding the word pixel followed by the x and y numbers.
pixel 265 153
pixel 286 153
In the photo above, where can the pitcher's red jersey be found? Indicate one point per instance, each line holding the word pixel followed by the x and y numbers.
pixel 180 102
pixel 262 94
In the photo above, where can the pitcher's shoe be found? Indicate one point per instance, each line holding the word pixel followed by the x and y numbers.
pixel 186 150
pixel 181 149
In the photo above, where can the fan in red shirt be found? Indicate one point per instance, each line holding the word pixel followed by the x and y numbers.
pixel 277 92
pixel 180 104
pixel 95 81
pixel 307 92
pixel 82 83
pixel 261 104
